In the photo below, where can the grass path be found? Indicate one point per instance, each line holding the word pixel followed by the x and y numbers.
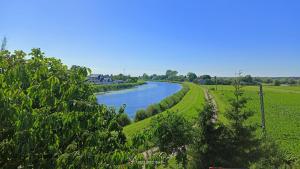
pixel 188 107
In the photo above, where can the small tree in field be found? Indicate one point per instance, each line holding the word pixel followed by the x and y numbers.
pixel 171 133
pixel 241 147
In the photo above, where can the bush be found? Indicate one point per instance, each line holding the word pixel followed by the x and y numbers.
pixel 171 133
pixel 153 109
pixel 163 105
pixel 123 119
pixel 170 102
pixel 140 115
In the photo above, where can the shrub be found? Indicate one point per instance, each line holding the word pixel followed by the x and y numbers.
pixel 170 102
pixel 153 109
pixel 163 105
pixel 123 119
pixel 140 115
pixel 171 133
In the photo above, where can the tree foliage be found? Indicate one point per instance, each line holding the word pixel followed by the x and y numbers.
pixel 171 133
pixel 49 117
pixel 207 140
pixel 191 76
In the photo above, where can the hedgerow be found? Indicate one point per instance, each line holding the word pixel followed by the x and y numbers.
pixel 163 105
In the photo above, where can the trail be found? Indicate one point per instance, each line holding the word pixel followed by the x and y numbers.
pixel 209 98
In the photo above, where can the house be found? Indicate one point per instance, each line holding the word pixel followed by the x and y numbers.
pixel 100 79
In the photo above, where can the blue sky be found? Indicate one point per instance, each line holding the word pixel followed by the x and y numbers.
pixel 217 37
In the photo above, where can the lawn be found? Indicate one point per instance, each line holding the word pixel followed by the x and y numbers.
pixel 188 107
pixel 282 111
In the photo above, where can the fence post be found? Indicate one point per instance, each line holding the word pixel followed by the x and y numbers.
pixel 262 108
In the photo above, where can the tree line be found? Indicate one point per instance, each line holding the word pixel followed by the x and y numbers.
pixel 172 75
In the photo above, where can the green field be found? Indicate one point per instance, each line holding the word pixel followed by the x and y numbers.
pixel 187 107
pixel 282 109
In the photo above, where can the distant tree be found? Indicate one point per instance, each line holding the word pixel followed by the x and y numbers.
pixel 191 76
pixel 171 133
pixel 205 77
pixel 292 81
pixel 247 79
pixel 3 44
pixel 145 77
pixel 268 81
pixel 171 74
pixel 277 83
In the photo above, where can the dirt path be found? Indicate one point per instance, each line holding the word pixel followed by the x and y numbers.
pixel 209 98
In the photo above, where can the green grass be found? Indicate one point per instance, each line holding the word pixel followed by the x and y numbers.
pixel 282 111
pixel 187 107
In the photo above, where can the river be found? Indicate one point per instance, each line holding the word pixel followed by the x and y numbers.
pixel 139 97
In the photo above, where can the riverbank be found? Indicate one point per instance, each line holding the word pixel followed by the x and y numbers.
pixel 188 107
pixel 114 87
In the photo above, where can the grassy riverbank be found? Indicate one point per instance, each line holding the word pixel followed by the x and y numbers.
pixel 282 111
pixel 187 107
pixel 113 87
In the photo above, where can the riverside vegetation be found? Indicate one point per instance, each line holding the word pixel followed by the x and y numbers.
pixel 162 106
pixel 112 87
pixel 49 118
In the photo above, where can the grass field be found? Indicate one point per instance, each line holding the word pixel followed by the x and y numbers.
pixel 282 109
pixel 187 107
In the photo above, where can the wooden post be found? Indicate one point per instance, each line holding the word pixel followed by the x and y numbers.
pixel 216 83
pixel 262 108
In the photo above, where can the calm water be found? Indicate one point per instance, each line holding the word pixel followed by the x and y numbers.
pixel 139 97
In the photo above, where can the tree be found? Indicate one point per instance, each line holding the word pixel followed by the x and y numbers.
pixel 171 133
pixel 49 117
pixel 205 77
pixel 241 147
pixel 145 77
pixel 247 79
pixel 191 76
pixel 292 82
pixel 206 143
pixel 277 83
pixel 171 74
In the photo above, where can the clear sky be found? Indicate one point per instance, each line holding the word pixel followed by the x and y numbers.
pixel 217 37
